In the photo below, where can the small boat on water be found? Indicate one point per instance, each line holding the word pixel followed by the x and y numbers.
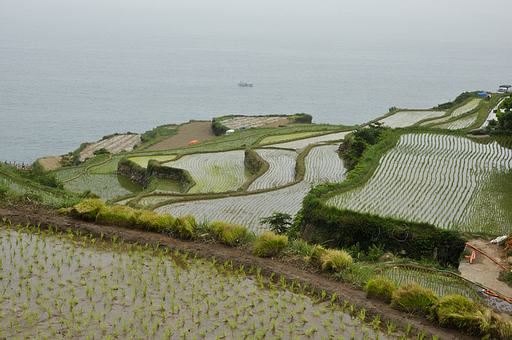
pixel 243 84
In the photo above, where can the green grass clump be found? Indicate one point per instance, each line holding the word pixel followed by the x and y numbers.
pixel 87 209
pixel 380 288
pixel 118 215
pixel 152 221
pixel 228 233
pixel 330 259
pixel 414 299
pixel 185 226
pixel 457 311
pixel 269 244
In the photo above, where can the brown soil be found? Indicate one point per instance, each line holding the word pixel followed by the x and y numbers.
pixel 50 163
pixel 199 131
pixel 239 257
pixel 483 270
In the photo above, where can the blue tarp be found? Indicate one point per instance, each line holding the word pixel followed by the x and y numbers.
pixel 482 94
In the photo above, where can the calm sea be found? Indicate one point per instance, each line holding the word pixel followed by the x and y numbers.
pixel 59 90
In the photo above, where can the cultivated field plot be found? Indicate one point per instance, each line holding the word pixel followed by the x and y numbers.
pixel 471 105
pixel 281 168
pixel 440 284
pixel 61 285
pixel 214 172
pixel 248 122
pixel 109 167
pixel 430 178
pixel 107 186
pixel 408 118
pixel 113 144
pixel 30 192
pixel 324 165
pixel 144 160
pixel 247 210
pixel 65 174
pixel 280 138
pixel 302 143
pixel 461 123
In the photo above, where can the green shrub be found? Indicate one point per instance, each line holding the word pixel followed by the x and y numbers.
pixel 228 233
pixel 380 288
pixel 269 244
pixel 507 277
pixel 414 299
pixel 316 255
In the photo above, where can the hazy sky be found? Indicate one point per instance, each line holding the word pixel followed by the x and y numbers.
pixel 415 19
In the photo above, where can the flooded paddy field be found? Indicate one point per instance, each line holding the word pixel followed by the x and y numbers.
pixel 58 284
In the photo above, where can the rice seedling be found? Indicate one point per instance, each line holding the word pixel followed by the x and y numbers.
pixel 124 299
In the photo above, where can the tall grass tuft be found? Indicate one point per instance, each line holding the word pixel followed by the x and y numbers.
pixel 269 244
pixel 330 259
pixel 380 288
pixel 457 311
pixel 412 298
pixel 228 233
pixel 185 226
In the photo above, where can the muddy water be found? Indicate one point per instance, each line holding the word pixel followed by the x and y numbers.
pixel 61 285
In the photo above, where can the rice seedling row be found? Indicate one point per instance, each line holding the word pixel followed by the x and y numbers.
pixel 249 122
pixel 471 105
pixel 302 143
pixel 408 118
pixel 429 178
pixel 460 123
pixel 214 172
pixel 63 285
pixel 281 168
pixel 440 284
pixel 279 138
pixel 109 167
pixel 65 174
pixel 114 144
pixel 322 165
pixel 107 186
pixel 31 193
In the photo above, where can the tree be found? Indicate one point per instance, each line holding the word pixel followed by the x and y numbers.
pixel 279 222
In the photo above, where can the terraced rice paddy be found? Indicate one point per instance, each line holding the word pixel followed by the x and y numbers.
pixel 431 178
pixel 66 174
pixel 408 118
pixel 461 123
pixel 322 165
pixel 280 138
pixel 214 172
pixel 281 168
pixel 302 143
pixel 440 284
pixel 65 286
pixel 471 105
pixel 107 186
pixel 30 192
pixel 114 144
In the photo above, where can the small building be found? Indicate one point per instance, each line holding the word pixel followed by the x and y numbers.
pixel 504 88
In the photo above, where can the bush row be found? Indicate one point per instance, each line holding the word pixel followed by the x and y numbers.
pixel 454 311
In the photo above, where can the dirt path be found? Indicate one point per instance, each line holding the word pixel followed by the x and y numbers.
pixel 200 131
pixel 486 272
pixel 239 257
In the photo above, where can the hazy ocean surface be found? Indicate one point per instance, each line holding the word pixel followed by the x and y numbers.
pixel 59 89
